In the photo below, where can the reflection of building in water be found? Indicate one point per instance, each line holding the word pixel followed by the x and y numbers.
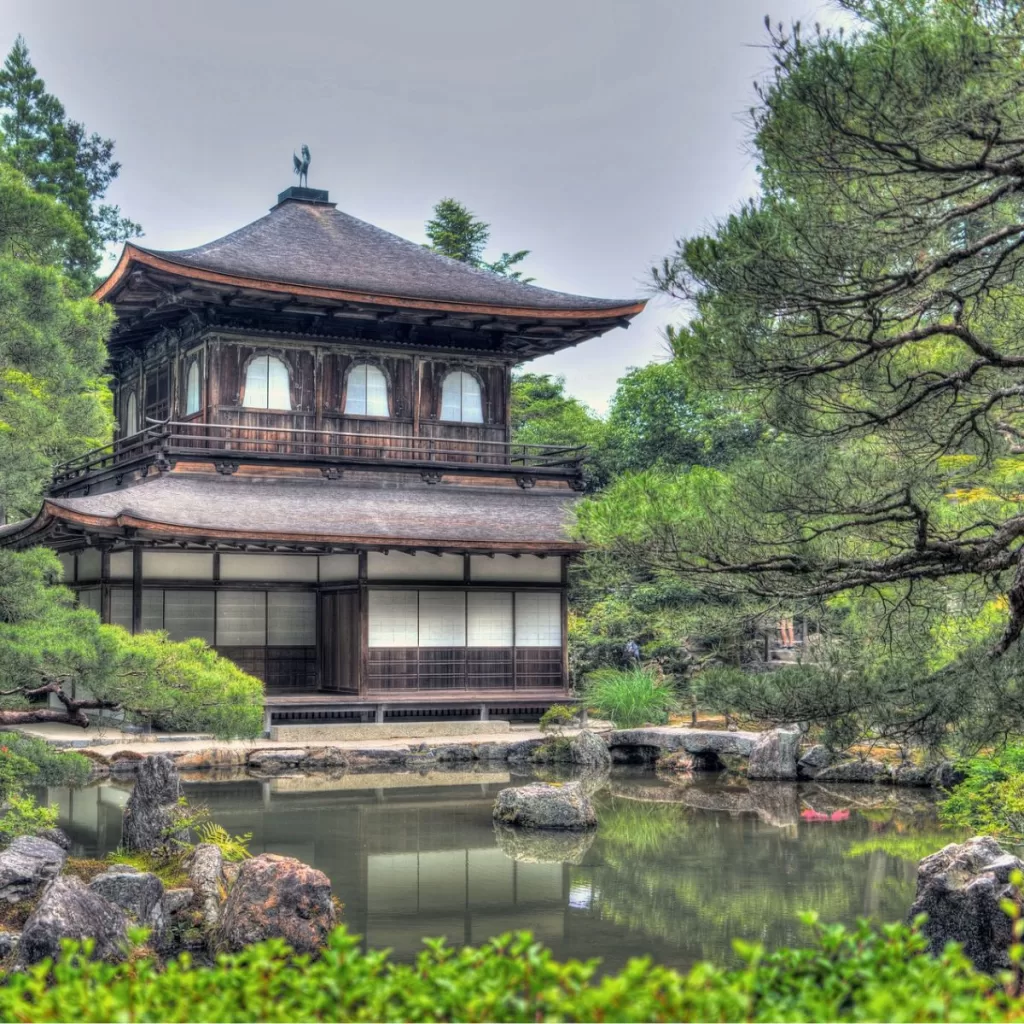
pixel 406 862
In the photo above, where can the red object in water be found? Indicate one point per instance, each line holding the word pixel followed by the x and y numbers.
pixel 812 815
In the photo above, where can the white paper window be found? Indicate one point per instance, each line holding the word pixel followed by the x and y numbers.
pixel 367 391
pixel 393 618
pixel 399 565
pixel 442 619
pixel 461 401
pixel 241 618
pixel 189 613
pixel 538 619
pixel 339 567
pixel 291 619
pixel 508 568
pixel 177 565
pixel 266 384
pixel 89 564
pixel 90 599
pixel 121 565
pixel 294 568
pixel 192 388
pixel 489 620
pixel 121 607
pixel 131 416
pixel 152 609
pixel 67 563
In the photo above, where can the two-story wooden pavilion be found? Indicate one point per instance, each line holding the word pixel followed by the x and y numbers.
pixel 313 469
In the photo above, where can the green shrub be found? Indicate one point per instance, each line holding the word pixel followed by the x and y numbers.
pixel 630 697
pixel 14 770
pixel 22 816
pixel 990 800
pixel 54 767
pixel 867 973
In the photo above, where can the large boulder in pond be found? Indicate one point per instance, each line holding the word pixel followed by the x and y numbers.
pixel 153 809
pixel 545 805
pixel 26 865
pixel 69 909
pixel 138 893
pixel 773 757
pixel 960 889
pixel 277 897
pixel 589 750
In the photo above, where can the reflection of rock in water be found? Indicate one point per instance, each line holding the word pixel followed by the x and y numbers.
pixel 542 846
pixel 594 780
pixel 837 796
pixel 775 803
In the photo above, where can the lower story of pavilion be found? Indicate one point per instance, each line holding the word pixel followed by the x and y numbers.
pixel 371 635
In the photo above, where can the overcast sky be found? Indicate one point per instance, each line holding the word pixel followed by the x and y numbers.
pixel 593 132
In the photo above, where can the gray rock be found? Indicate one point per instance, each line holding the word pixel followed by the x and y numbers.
pixel 493 751
pixel 138 893
pixel 455 752
pixel 273 761
pixel 57 836
pixel 323 758
pixel 544 805
pixel 774 756
pixel 913 775
pixel 376 758
pixel 544 846
pixel 70 910
pixel 960 889
pixel 27 864
pixel 588 749
pixel 277 897
pixel 867 770
pixel 176 900
pixel 523 750
pixel 694 741
pixel 814 760
pixel 946 775
pixel 206 873
pixel 153 809
pixel 8 943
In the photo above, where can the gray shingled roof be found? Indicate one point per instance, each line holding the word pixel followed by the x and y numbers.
pixel 317 245
pixel 328 509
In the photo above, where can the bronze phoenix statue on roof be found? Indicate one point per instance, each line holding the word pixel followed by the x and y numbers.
pixel 302 166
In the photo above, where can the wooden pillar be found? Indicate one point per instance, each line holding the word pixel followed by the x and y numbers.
pixel 364 627
pixel 565 623
pixel 105 583
pixel 137 589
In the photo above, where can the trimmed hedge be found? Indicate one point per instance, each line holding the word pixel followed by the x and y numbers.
pixel 867 973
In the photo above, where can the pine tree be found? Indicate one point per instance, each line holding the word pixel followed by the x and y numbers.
pixel 457 233
pixel 58 157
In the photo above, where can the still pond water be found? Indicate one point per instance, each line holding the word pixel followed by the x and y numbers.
pixel 677 868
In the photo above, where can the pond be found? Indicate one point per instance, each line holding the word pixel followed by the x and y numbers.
pixel 678 868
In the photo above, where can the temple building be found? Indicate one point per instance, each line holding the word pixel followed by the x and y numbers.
pixel 313 469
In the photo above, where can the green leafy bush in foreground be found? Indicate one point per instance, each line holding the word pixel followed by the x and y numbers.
pixel 990 800
pixel 630 697
pixel 867 973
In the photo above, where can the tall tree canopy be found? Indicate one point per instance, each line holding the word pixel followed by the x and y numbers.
pixel 460 235
pixel 867 305
pixel 54 402
pixel 60 158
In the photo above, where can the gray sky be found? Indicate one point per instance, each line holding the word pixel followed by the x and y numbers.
pixel 593 132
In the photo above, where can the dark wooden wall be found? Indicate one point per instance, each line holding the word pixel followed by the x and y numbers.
pixel 339 641
pixel 318 376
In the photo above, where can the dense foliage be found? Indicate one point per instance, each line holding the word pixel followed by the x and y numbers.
pixel 630 697
pixel 990 800
pixel 46 641
pixel 863 974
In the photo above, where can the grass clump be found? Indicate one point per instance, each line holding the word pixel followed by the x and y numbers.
pixel 630 697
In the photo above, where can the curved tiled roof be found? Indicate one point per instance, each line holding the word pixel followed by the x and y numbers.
pixel 336 512
pixel 316 245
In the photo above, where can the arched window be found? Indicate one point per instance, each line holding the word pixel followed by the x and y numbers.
pixel 192 388
pixel 367 391
pixel 461 401
pixel 266 384
pixel 131 416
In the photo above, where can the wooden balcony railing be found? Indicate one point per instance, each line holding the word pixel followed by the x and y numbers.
pixel 231 444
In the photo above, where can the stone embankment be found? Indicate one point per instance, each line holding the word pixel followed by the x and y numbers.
pixel 775 755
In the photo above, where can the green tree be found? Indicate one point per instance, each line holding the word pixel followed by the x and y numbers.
pixel 54 402
pixel 58 157
pixel 867 303
pixel 51 646
pixel 457 233
pixel 542 413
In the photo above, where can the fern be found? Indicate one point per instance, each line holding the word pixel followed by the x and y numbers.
pixel 232 848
